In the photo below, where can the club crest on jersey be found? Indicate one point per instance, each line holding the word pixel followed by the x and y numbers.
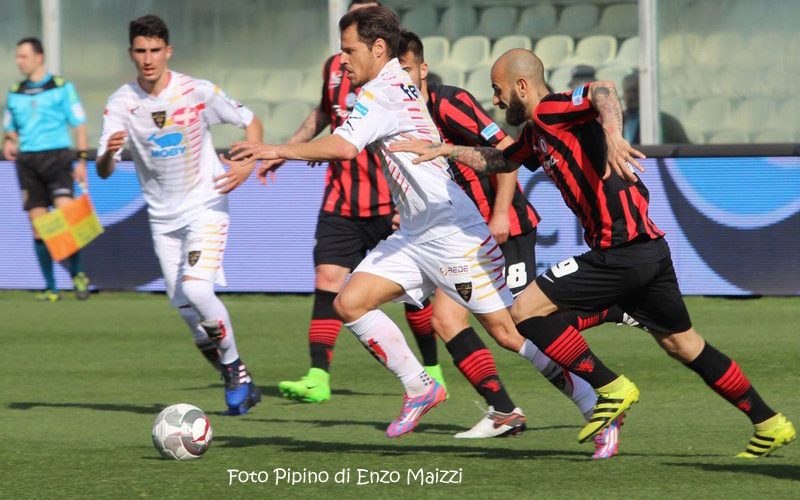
pixel 193 257
pixel 465 290
pixel 159 118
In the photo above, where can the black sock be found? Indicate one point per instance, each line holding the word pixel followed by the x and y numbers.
pixel 420 322
pixel 323 330
pixel 476 362
pixel 560 339
pixel 723 375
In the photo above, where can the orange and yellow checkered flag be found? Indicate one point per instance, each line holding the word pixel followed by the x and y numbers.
pixel 67 229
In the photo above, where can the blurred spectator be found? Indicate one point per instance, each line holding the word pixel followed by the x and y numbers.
pixel 671 129
pixel 581 75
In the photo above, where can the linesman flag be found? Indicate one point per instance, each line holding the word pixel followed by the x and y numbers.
pixel 68 229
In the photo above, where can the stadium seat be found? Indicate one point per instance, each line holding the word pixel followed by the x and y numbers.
pixel 718 49
pixel 281 85
pixel 286 118
pixel 774 135
pixel 753 115
pixel 707 114
pixel 479 83
pixel 458 21
pixel 628 54
pixel 554 50
pixel 437 49
pixel 469 51
pixel 497 22
pixel 675 106
pixel 310 90
pixel 559 78
pixel 695 136
pixel 243 84
pixel 578 20
pixel 450 75
pixel 619 20
pixel 788 115
pixel 594 50
pixel 261 109
pixel 729 136
pixel 422 20
pixel 614 73
pixel 675 50
pixel 507 43
pixel 537 21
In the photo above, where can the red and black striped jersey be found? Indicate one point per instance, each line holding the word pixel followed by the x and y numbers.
pixel 353 188
pixel 462 120
pixel 568 141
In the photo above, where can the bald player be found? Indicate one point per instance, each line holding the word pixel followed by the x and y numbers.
pixel 576 137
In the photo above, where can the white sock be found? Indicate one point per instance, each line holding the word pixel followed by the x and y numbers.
pixel 574 387
pixel 382 337
pixel 213 315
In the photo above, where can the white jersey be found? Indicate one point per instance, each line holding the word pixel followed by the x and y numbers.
pixel 430 203
pixel 171 145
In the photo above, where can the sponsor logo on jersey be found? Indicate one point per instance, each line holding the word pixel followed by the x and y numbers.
pixel 577 96
pixel 186 116
pixel 361 109
pixel 159 118
pixel 465 290
pixel 490 131
pixel 166 145
pixel 454 270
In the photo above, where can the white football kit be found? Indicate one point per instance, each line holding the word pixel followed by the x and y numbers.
pixel 176 164
pixel 443 241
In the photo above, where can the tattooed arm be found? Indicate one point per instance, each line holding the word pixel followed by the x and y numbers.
pixel 621 157
pixel 487 160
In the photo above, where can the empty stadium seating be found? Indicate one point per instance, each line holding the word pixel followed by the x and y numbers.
pixel 468 51
pixel 537 21
pixel 437 49
pixel 554 50
pixel 507 43
pixel 594 50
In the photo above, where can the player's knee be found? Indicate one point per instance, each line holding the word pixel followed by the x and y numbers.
pixel 447 325
pixel 347 307
pixel 197 291
pixel 329 279
pixel 684 346
pixel 518 312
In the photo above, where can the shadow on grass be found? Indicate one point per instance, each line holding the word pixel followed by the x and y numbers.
pixel 272 391
pixel 778 471
pixel 140 409
pixel 392 448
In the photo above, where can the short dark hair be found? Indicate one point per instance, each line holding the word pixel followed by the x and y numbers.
pixel 373 23
pixel 36 44
pixel 410 42
pixel 148 26
pixel 359 2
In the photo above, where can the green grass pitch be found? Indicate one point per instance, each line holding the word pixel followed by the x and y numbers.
pixel 82 383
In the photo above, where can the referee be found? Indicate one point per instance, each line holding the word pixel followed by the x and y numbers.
pixel 38 111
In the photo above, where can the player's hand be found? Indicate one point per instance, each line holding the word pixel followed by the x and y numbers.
pixel 395 221
pixel 116 141
pixel 500 227
pixel 79 174
pixel 621 158
pixel 425 150
pixel 9 150
pixel 266 170
pixel 238 172
pixel 253 150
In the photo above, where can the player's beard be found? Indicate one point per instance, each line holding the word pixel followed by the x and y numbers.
pixel 515 111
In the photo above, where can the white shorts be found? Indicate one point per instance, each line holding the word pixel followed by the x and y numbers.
pixel 467 266
pixel 194 250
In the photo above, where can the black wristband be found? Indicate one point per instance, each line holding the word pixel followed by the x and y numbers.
pixel 82 155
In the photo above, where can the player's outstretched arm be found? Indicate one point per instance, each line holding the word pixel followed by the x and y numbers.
pixel 238 172
pixel 621 156
pixel 486 160
pixel 106 163
pixel 10 142
pixel 82 142
pixel 499 224
pixel 329 148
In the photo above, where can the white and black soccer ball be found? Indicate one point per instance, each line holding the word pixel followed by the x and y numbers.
pixel 182 432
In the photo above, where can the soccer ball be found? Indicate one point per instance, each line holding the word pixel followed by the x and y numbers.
pixel 182 432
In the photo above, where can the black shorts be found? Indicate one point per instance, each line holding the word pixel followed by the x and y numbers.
pixel 44 176
pixel 520 255
pixel 344 241
pixel 638 277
